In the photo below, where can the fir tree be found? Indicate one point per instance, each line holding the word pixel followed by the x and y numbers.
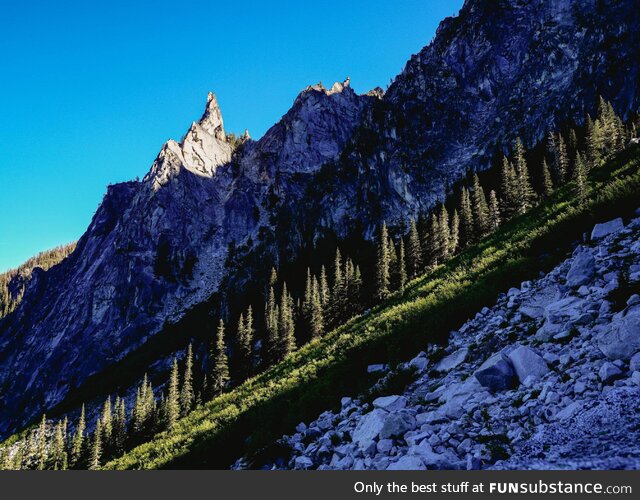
pixel 580 177
pixel 286 325
pixel 317 319
pixel 172 402
pixel 219 372
pixel 547 183
pixel 524 192
pixel 338 293
pixel 480 210
pixel 77 446
pixel 382 265
pixel 119 425
pixel 96 447
pixel 414 252
pixel 187 396
pixel 402 268
pixel 324 288
pixel 508 188
pixel 494 211
pixel 271 325
pixel 466 219
pixel 594 143
pixel 563 161
pixel 58 447
pixel 445 234
pixel 41 444
pixel 434 245
pixel 393 266
pixel 454 237
pixel 107 423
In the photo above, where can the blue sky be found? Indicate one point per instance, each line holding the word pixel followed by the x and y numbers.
pixel 90 90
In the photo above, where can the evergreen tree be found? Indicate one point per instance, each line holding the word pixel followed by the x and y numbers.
pixel 573 141
pixel 466 219
pixel 219 372
pixel 414 252
pixel 317 316
pixel 434 245
pixel 338 294
pixel 508 187
pixel 393 266
pixel 547 183
pixel 494 211
pixel 172 402
pixel 525 195
pixel 580 177
pixel 382 265
pixel 454 237
pixel 41 444
pixel 480 210
pixel 187 395
pixel 119 425
pixel 325 295
pixel 271 324
pixel 445 234
pixel 77 446
pixel 286 325
pixel 58 447
pixel 563 161
pixel 402 268
pixel 96 447
pixel 594 143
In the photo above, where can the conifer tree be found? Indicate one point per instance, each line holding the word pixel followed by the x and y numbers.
pixel 107 422
pixel 41 444
pixel 219 372
pixel 454 237
pixel 187 395
pixel 286 326
pixel 508 189
pixel 445 234
pixel 547 183
pixel 58 448
pixel 172 402
pixel 317 319
pixel 494 211
pixel 77 446
pixel 466 219
pixel 594 144
pixel 414 252
pixel 119 425
pixel 524 191
pixel 563 161
pixel 580 177
pixel 338 294
pixel 434 245
pixel 393 266
pixel 382 265
pixel 402 268
pixel 324 288
pixel 480 210
pixel 271 325
pixel 96 447
pixel 573 141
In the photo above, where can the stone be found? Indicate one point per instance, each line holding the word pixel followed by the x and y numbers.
pixel 390 403
pixel 582 269
pixel 384 446
pixel 609 372
pixel 569 411
pixel 607 228
pixel 396 424
pixel 634 363
pixel 379 368
pixel 621 339
pixel 528 363
pixel 434 460
pixel 303 463
pixel 452 361
pixel 496 374
pixel 419 363
pixel 407 462
pixel 369 427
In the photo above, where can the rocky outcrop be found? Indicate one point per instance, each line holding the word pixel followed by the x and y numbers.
pixel 515 401
pixel 336 164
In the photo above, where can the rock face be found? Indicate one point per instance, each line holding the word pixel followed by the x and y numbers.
pixel 555 404
pixel 336 163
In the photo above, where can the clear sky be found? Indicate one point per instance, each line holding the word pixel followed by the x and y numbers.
pixel 90 90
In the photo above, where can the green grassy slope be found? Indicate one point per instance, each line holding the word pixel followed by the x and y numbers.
pixel 316 376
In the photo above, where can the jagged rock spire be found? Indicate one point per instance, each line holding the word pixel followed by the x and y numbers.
pixel 211 120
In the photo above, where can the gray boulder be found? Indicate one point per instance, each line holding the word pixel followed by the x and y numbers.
pixel 634 364
pixel 303 463
pixel 452 361
pixel 582 269
pixel 622 338
pixel 407 462
pixel 496 374
pixel 609 372
pixel 396 424
pixel 527 363
pixel 369 427
pixel 390 403
pixel 607 228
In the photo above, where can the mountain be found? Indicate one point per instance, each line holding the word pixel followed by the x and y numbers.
pixel 214 213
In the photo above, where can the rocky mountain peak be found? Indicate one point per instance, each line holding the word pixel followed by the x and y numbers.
pixel 211 120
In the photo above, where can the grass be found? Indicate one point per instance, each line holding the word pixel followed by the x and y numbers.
pixel 251 416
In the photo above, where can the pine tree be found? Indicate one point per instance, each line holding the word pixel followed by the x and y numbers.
pixel 454 236
pixel 41 444
pixel 580 177
pixel 480 210
pixel 393 266
pixel 524 191
pixel 219 372
pixel 445 234
pixel 325 295
pixel 317 316
pixel 402 267
pixel 563 161
pixel 172 403
pixel 414 252
pixel 187 396
pixel 466 219
pixel 508 188
pixel 382 265
pixel 547 183
pixel 58 448
pixel 107 422
pixel 338 294
pixel 594 143
pixel 286 324
pixel 119 425
pixel 494 211
pixel 96 447
pixel 434 245
pixel 77 445
pixel 573 141
pixel 271 325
